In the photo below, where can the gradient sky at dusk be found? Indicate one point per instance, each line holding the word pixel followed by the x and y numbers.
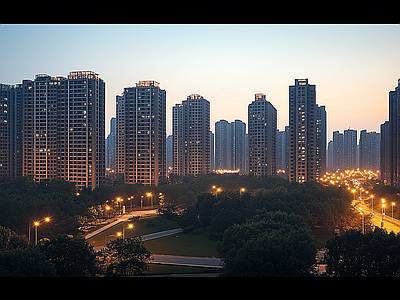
pixel 353 66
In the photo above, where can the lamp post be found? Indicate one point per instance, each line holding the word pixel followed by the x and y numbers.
pixel 150 195
pixel 242 190
pixel 383 211
pixel 108 211
pixel 354 193
pixel 36 224
pixel 393 204
pixel 130 226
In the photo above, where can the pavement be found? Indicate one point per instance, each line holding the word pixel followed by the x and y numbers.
pixel 207 262
pixel 123 218
pixel 161 259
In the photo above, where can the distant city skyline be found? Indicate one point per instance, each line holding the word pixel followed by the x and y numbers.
pixel 353 66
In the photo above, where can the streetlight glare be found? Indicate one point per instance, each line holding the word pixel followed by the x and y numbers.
pixel 47 219
pixel 148 194
pixel 36 223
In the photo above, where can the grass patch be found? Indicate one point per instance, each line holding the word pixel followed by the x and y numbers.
pixel 183 244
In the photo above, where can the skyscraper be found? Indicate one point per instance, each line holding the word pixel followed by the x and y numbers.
pixel 384 154
pixel 337 152
pixel 321 141
pixel 223 145
pixel 303 132
pixel 141 137
pixel 394 136
pixel 111 145
pixel 350 149
pixel 191 136
pixel 10 130
pixel 81 129
pixel 230 142
pixel 57 128
pixel 369 150
pixel 262 136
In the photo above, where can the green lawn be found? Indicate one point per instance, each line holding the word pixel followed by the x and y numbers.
pixel 183 244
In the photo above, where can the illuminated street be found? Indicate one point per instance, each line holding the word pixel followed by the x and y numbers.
pixel 354 180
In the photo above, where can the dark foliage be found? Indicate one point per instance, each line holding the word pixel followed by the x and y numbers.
pixel 376 253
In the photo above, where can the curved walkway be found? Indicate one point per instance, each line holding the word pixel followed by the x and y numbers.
pixel 123 218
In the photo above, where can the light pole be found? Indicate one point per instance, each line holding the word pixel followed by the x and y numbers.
pixel 130 226
pixel 150 195
pixel 36 224
pixel 242 190
pixel 393 204
pixel 383 210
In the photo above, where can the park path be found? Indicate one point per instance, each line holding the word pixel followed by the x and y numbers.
pixel 123 218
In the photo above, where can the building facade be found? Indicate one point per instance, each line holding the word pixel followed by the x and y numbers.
pixel 111 146
pixel 57 128
pixel 384 153
pixel 262 124
pixel 230 151
pixel 303 132
pixel 191 136
pixel 350 149
pixel 321 141
pixel 369 150
pixel 394 135
pixel 141 137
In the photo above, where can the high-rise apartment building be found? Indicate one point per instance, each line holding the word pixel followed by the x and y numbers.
pixel 191 136
pixel 111 145
pixel 394 136
pixel 262 124
pixel 321 141
pixel 303 131
pixel 230 142
pixel 141 133
pixel 384 153
pixel 350 149
pixel 10 130
pixel 81 129
pixel 369 150
pixel 337 152
pixel 57 128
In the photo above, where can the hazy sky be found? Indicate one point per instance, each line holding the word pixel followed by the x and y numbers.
pixel 353 66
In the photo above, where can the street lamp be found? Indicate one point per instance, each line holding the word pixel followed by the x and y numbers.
pixel 36 224
pixel 130 226
pixel 150 195
pixel 108 211
pixel 242 190
pixel 393 204
pixel 354 192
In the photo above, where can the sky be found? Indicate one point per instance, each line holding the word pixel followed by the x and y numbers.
pixel 353 66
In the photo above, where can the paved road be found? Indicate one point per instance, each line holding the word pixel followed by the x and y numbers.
pixel 123 218
pixel 150 236
pixel 187 261
pixel 388 223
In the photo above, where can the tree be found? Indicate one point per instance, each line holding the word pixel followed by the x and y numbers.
pixel 11 240
pixel 353 254
pixel 268 244
pixel 71 257
pixel 125 257
pixel 25 262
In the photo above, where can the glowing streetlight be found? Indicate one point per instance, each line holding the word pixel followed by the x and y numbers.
pixel 36 224
pixel 150 195
pixel 354 192
pixel 130 226
pixel 108 211
pixel 393 204
pixel 242 190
